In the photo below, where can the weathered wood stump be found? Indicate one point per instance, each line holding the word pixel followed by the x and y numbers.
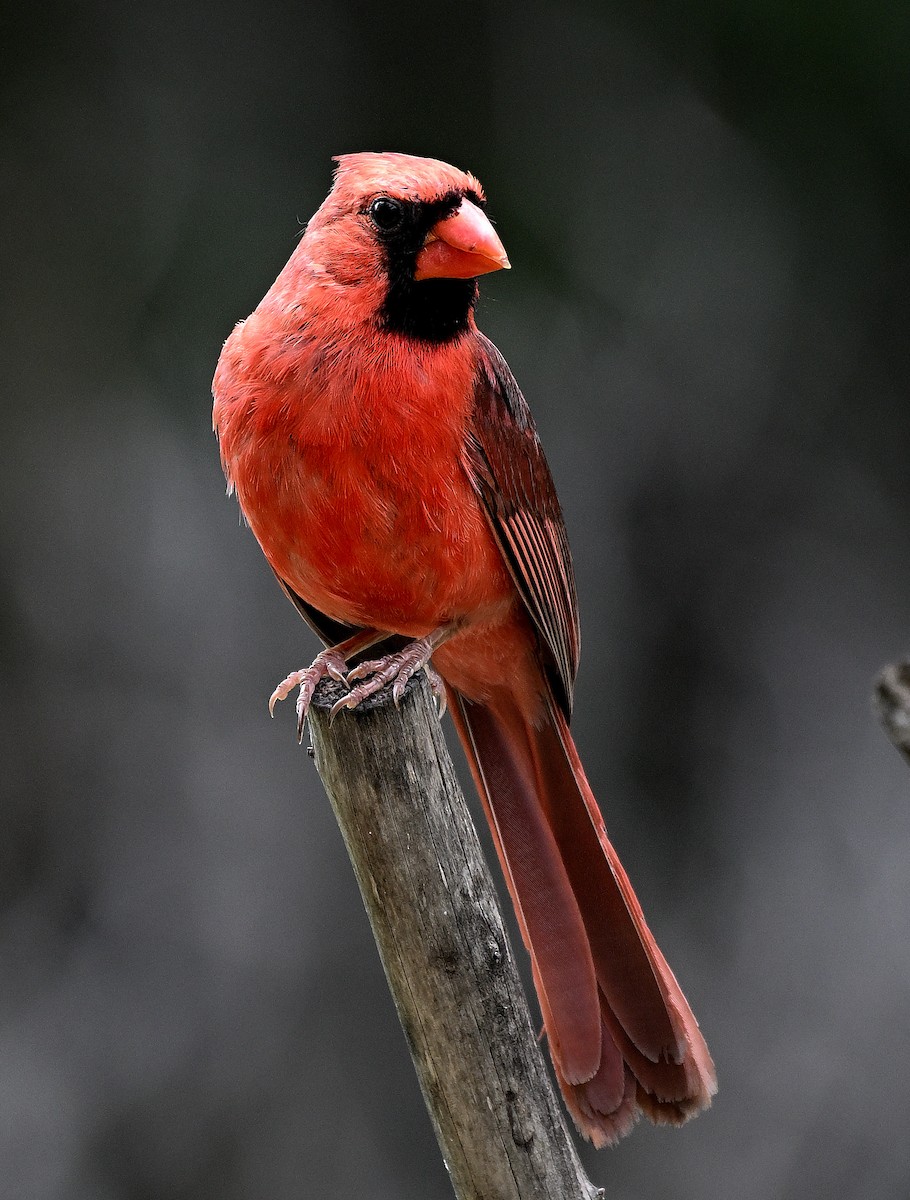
pixel 439 930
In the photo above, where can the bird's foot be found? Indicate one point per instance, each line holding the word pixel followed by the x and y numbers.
pixel 332 662
pixel 371 677
pixel 438 688
pixel 329 662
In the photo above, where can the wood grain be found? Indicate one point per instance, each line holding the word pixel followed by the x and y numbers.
pixel 439 930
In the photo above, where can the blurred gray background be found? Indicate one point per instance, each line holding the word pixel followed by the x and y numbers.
pixel 706 206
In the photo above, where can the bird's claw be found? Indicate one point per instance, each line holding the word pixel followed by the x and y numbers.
pixel 344 702
pixel 330 663
pixel 439 689
pixel 372 676
pixel 364 680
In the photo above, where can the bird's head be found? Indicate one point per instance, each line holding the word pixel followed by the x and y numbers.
pixel 408 236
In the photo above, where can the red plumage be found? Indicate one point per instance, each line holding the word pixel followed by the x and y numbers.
pixel 388 464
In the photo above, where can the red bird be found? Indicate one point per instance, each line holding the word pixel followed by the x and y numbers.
pixel 389 467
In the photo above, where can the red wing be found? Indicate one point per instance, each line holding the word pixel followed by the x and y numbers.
pixel 507 463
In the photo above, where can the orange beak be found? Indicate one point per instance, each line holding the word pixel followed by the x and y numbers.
pixel 461 246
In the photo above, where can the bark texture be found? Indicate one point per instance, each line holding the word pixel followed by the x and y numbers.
pixel 439 930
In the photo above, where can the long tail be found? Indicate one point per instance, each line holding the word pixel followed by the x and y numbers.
pixel 622 1037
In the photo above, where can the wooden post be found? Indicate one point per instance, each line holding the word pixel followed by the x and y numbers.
pixel 437 924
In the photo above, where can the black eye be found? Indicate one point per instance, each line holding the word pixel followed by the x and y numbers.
pixel 386 214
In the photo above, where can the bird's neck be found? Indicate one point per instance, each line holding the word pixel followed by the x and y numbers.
pixel 433 311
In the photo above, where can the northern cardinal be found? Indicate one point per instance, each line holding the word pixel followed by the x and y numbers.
pixel 388 465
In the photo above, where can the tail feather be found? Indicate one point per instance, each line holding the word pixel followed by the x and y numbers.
pixel 605 1108
pixel 614 921
pixel 628 1042
pixel 551 922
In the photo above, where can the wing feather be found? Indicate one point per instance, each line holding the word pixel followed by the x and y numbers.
pixel 510 472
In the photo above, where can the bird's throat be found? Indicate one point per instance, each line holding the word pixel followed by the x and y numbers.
pixel 432 310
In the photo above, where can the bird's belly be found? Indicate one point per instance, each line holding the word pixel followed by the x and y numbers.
pixel 400 544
